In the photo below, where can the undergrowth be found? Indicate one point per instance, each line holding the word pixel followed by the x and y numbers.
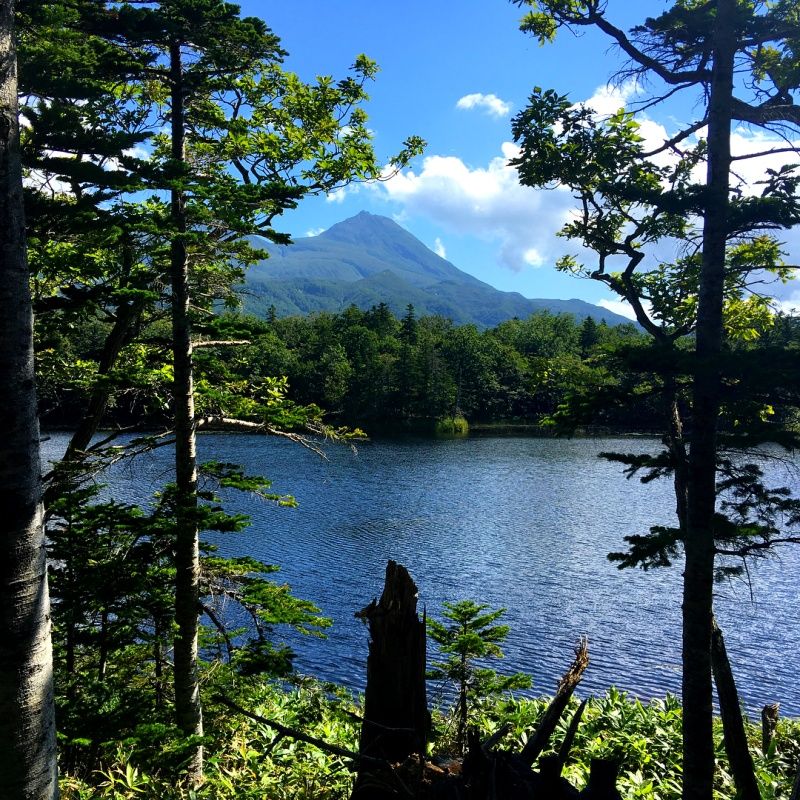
pixel 247 760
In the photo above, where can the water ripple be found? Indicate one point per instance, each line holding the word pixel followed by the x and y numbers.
pixel 520 523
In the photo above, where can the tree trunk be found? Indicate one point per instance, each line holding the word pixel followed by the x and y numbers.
pixel 27 720
pixel 741 762
pixel 698 744
pixel 188 710
pixel 676 443
pixel 396 719
pixel 463 704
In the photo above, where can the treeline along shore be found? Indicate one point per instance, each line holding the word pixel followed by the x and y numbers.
pixel 394 375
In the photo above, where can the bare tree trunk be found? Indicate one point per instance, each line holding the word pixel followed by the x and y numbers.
pixel 396 719
pixel 463 706
pixel 188 710
pixel 27 719
pixel 741 762
pixel 540 740
pixel 698 743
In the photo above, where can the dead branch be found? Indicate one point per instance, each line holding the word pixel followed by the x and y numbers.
pixel 293 733
pixel 220 343
pixel 566 686
pixel 569 738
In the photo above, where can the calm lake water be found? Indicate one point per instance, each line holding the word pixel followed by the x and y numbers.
pixel 517 522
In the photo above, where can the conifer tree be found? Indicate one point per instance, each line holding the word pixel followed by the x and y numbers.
pixel 629 203
pixel 471 638
pixel 234 140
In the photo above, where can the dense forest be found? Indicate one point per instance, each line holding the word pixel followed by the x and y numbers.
pixel 370 370
pixel 143 147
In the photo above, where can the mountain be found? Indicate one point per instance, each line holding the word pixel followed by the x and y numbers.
pixel 369 259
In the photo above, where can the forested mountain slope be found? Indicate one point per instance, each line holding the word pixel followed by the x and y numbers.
pixel 369 259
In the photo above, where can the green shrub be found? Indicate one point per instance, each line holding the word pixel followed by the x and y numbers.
pixel 247 760
pixel 456 427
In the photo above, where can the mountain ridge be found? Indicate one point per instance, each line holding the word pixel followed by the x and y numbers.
pixel 369 259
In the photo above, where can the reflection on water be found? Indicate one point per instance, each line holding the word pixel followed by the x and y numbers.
pixel 516 522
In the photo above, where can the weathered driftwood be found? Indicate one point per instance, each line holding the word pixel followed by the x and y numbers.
pixel 566 686
pixel 741 762
pixel 769 723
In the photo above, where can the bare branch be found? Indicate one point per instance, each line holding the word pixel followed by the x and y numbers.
pixel 772 152
pixel 300 736
pixel 221 422
pixel 766 113
pixel 670 144
pixel 220 343
pixel 674 78
pixel 212 615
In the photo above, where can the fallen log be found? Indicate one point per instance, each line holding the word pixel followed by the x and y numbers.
pixel 566 686
pixel 733 731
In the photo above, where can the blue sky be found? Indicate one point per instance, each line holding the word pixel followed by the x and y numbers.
pixel 460 198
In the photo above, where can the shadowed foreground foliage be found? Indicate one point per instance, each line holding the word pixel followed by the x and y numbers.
pixel 249 761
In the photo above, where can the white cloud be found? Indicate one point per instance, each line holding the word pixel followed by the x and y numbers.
pixel 608 99
pixel 621 307
pixel 790 304
pixel 490 103
pixel 487 202
pixel 753 170
pixel 533 257
pixel 315 231
pixel 137 151
pixel 439 248
pixel 338 195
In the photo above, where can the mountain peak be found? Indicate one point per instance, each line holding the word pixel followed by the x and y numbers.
pixel 365 226
pixel 368 259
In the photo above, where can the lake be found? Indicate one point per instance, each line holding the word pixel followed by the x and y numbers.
pixel 523 523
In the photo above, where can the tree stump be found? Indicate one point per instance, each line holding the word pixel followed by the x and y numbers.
pixel 396 719
pixel 602 783
pixel 769 723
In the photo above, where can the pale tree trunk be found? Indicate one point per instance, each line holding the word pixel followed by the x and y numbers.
pixel 698 744
pixel 27 719
pixel 188 710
